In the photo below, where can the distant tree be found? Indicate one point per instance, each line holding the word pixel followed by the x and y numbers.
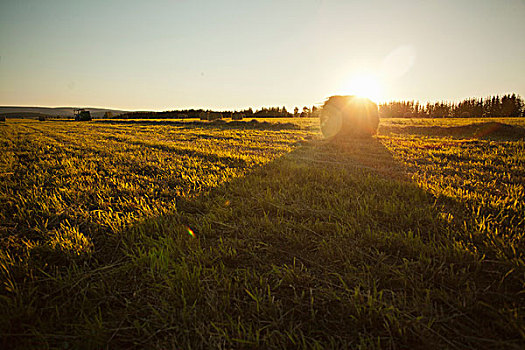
pixel 108 115
pixel 397 109
pixel 511 106
pixel 306 112
pixel 314 112
pixel 296 112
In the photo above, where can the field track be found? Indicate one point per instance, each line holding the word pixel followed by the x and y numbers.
pixel 261 235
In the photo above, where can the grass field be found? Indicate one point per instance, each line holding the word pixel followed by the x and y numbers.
pixel 197 235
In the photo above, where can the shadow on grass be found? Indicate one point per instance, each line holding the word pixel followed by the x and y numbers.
pixel 329 246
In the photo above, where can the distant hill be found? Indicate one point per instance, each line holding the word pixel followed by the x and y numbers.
pixel 35 112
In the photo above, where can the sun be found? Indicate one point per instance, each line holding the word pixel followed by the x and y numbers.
pixel 364 85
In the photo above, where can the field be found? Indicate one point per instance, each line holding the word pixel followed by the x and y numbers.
pixel 213 235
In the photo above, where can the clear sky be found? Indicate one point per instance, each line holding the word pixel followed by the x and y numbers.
pixel 158 55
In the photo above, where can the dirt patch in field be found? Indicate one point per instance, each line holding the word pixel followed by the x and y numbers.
pixel 488 131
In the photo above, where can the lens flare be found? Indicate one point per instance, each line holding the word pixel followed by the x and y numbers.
pixel 398 62
pixel 190 232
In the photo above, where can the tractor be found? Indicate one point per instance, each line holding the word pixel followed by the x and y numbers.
pixel 81 115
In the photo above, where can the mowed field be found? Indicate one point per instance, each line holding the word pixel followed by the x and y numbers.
pixel 160 234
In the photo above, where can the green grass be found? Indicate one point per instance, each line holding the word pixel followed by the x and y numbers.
pixel 201 236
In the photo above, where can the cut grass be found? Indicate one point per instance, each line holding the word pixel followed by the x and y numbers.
pixel 198 237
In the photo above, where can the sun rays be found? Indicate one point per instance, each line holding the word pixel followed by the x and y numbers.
pixel 364 85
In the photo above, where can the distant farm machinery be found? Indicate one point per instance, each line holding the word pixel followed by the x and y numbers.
pixel 81 115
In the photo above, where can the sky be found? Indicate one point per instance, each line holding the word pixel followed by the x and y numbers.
pixel 165 55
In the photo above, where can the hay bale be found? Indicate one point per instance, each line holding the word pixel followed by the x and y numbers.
pixel 349 116
pixel 42 118
pixel 2 118
pixel 237 116
pixel 210 115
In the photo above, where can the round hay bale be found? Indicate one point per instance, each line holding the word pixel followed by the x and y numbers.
pixel 348 116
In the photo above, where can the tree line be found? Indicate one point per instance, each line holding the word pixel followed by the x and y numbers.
pixel 264 112
pixel 510 105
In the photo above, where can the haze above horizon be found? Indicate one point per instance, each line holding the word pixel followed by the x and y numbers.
pixel 162 55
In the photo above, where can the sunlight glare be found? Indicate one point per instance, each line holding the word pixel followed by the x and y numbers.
pixel 364 85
